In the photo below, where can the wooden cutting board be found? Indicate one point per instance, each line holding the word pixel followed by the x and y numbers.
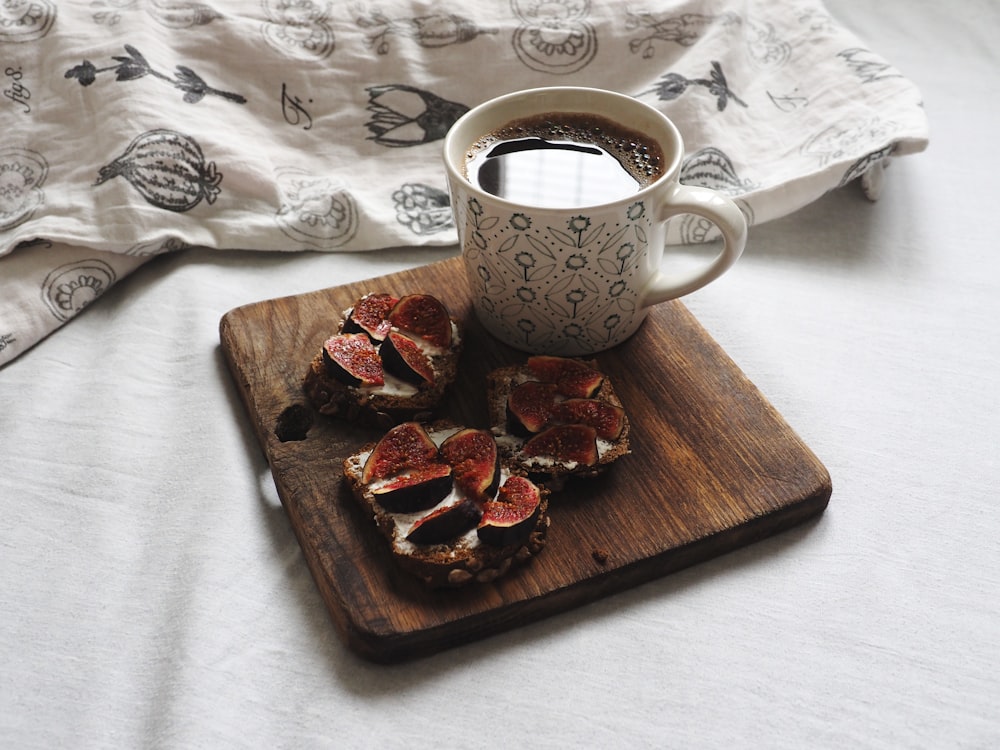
pixel 713 467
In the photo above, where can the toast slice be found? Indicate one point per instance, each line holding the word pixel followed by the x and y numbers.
pixel 390 360
pixel 450 512
pixel 556 418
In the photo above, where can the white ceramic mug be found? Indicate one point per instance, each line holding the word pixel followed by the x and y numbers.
pixel 577 279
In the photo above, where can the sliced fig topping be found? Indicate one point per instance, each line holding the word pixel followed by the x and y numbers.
pixel 529 407
pixel 573 378
pixel 567 443
pixel 417 489
pixel 425 316
pixel 405 446
pixel 370 315
pixel 445 523
pixel 475 462
pixel 352 359
pixel 510 518
pixel 607 419
pixel 403 357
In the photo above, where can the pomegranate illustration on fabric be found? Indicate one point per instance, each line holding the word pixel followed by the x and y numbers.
pixel 168 169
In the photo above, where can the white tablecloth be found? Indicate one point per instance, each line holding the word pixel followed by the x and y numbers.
pixel 153 594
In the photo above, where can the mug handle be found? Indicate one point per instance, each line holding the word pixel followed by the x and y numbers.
pixel 721 211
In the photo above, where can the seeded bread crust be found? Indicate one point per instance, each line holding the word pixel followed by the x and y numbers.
pixel 499 384
pixel 449 565
pixel 335 399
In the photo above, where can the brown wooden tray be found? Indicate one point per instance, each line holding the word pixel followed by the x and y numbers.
pixel 714 467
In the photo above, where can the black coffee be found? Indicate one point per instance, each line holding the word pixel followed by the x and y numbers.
pixel 563 160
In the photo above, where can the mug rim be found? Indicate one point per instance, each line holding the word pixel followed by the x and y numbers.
pixel 544 95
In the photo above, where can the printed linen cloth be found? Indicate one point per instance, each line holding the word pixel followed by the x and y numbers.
pixel 138 127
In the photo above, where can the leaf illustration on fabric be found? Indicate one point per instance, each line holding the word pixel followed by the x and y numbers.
pixel 133 65
pixel 555 36
pixel 673 85
pixel 407 116
pixel 22 174
pixel 438 30
pixel 168 169
pixel 423 209
pixel 712 168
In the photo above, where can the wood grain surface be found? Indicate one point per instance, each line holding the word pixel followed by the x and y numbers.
pixel 713 467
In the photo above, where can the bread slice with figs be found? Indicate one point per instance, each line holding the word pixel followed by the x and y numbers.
pixel 391 359
pixel 451 513
pixel 557 417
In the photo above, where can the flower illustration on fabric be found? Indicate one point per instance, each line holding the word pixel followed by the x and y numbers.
pixel 168 169
pixel 765 47
pixel 300 28
pixel 22 174
pixel 673 85
pixel 431 31
pixel 403 115
pixel 319 212
pixel 555 36
pixel 712 168
pixel 25 20
pixel 133 65
pixel 70 288
pixel 423 209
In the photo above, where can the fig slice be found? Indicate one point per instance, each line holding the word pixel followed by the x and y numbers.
pixel 352 359
pixel 573 378
pixel 424 316
pixel 445 523
pixel 475 462
pixel 510 518
pixel 608 420
pixel 529 407
pixel 403 357
pixel 370 315
pixel 567 443
pixel 417 489
pixel 405 446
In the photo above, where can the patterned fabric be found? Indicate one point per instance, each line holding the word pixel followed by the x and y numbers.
pixel 139 127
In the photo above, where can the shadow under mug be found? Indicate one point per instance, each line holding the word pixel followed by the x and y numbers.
pixel 577 280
